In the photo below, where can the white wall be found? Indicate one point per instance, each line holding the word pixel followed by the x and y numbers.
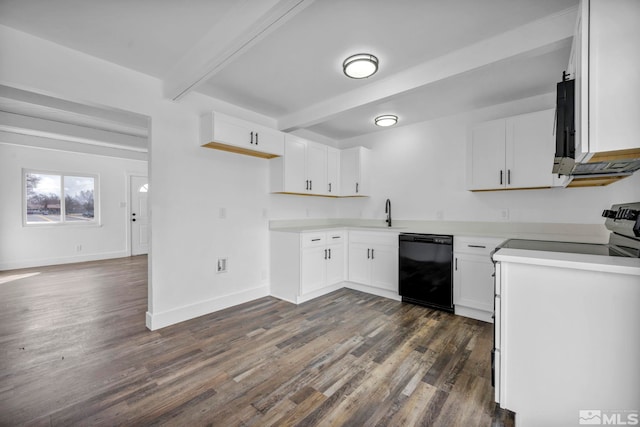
pixel 26 246
pixel 188 184
pixel 422 167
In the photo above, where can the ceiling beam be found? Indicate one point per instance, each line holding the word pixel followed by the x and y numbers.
pixel 137 122
pixel 547 33
pixel 25 125
pixel 240 29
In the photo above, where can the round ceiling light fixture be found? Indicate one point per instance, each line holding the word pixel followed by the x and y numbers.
pixel 386 120
pixel 360 66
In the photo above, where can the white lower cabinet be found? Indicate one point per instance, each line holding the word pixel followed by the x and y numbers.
pixel 307 265
pixel 473 292
pixel 373 260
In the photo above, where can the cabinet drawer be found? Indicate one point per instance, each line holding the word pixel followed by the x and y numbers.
pixel 476 245
pixel 335 237
pixel 310 240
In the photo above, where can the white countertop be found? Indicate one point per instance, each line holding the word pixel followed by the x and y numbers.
pixel 600 263
pixel 581 233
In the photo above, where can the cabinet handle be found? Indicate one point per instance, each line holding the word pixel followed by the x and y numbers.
pixel 372 254
pixel 356 187
pixel 500 176
pixel 256 138
pixel 315 240
pixel 508 176
pixel 335 237
pixel 325 254
pixel 456 267
pixel 477 246
pixel 310 185
pixel 251 142
pixel 368 256
pixel 307 187
pixel 329 253
pixel 329 187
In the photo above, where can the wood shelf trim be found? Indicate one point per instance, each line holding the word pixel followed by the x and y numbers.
pixel 239 150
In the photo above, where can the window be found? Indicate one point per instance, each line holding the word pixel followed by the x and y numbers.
pixel 58 198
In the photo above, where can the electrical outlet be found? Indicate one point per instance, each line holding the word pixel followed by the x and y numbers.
pixel 78 248
pixel 223 213
pixel 265 213
pixel 439 215
pixel 222 265
pixel 504 214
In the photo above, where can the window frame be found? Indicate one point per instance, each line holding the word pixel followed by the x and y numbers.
pixel 95 222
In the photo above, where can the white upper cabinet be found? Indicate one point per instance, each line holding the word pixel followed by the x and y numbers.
pixel 515 152
pixel 302 170
pixel 227 133
pixel 605 61
pixel 354 172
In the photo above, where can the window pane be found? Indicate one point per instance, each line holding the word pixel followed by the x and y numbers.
pixel 43 198
pixel 78 198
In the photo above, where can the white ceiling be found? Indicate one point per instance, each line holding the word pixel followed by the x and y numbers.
pixel 282 58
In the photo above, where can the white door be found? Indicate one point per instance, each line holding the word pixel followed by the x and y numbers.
pixel 487 152
pixel 360 263
pixel 139 215
pixel 335 264
pixel 473 282
pixel 316 160
pixel 313 269
pixel 333 171
pixel 348 171
pixel 295 174
pixel 530 145
pixel 384 267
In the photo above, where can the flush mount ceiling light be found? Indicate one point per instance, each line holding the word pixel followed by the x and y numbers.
pixel 386 120
pixel 360 66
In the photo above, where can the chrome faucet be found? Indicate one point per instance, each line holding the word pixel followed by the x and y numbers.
pixel 387 210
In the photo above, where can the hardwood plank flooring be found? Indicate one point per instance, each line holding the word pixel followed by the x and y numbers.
pixel 74 351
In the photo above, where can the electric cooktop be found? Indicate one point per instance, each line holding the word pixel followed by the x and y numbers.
pixel 622 220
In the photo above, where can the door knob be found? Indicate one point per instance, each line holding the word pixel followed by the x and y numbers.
pixel 134 220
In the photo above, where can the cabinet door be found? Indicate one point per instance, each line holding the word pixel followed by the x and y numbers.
pixel 349 172
pixel 530 149
pixel 335 264
pixel 295 176
pixel 473 282
pixel 333 171
pixel 486 156
pixel 231 132
pixel 364 171
pixel 359 263
pixel 268 140
pixel 384 268
pixel 313 265
pixel 316 166
pixel 614 85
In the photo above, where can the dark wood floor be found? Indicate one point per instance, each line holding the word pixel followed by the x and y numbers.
pixel 75 351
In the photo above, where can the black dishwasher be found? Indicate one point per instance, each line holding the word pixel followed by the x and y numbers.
pixel 426 270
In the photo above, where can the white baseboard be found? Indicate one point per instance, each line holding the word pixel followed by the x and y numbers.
pixel 42 262
pixel 160 320
pixel 474 313
pixel 373 290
